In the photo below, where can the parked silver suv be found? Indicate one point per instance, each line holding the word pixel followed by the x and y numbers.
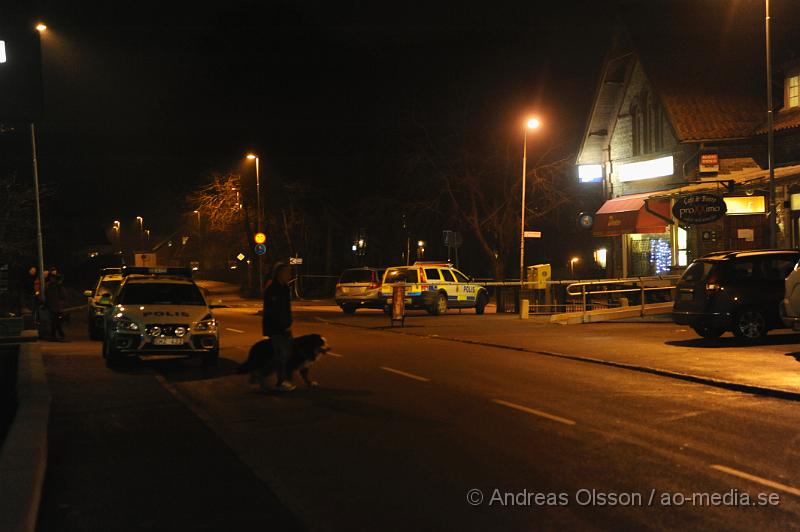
pixel 359 288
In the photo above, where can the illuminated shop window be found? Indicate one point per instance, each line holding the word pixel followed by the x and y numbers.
pixel 683 239
pixel 660 255
pixel 746 205
pixel 794 91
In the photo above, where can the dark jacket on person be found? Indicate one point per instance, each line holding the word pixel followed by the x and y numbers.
pixel 55 296
pixel 277 317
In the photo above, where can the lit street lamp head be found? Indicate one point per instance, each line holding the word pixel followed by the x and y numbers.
pixel 41 27
pixel 252 156
pixel 533 123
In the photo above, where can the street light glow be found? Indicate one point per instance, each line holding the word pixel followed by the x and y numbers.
pixel 252 156
pixel 533 123
pixel 41 27
pixel 573 260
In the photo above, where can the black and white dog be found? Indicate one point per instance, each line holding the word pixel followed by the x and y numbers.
pixel 306 349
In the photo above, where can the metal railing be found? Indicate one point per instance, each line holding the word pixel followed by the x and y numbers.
pixel 576 295
pixel 641 288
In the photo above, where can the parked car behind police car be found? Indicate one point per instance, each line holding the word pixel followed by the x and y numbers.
pixel 160 311
pixel 99 300
pixel 359 288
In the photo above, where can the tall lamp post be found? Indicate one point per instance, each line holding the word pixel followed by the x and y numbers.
pixel 41 28
pixel 199 238
pixel 532 123
pixel 773 234
pixel 259 218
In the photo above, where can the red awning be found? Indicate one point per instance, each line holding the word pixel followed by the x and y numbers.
pixel 626 214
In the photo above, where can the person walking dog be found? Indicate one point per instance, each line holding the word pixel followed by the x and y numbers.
pixel 277 321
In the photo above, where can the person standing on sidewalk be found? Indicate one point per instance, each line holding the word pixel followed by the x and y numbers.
pixel 56 300
pixel 277 322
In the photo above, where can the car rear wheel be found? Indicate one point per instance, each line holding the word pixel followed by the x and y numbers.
pixel 480 303
pixel 750 325
pixel 710 333
pixel 439 305
pixel 349 309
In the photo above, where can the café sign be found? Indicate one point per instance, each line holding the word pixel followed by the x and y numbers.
pixel 699 208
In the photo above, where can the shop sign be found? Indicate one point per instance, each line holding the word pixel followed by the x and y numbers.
pixel 699 208
pixel 709 163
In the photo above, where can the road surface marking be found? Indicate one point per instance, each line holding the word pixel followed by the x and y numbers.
pixel 534 412
pixel 404 374
pixel 678 417
pixel 337 355
pixel 233 330
pixel 757 480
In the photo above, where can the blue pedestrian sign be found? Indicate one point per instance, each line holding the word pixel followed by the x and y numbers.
pixel 261 249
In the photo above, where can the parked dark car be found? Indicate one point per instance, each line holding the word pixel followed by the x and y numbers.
pixel 737 291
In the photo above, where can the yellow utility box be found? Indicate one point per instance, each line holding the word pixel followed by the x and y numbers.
pixel 539 274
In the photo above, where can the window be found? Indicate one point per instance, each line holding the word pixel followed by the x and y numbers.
pixel 776 269
pixel 793 91
pixel 697 271
pixel 356 276
pixel 432 274
pixel 461 277
pixel 400 275
pixel 745 204
pixel 741 271
pixel 161 294
pixel 108 287
pixel 683 245
pixel 636 130
pixel 447 275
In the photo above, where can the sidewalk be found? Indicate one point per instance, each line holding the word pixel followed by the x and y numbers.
pixel 124 454
pixel 771 367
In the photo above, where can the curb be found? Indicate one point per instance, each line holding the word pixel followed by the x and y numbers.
pixel 23 458
pixel 688 377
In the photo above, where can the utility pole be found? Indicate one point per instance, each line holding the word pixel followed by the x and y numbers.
pixel 773 228
pixel 39 239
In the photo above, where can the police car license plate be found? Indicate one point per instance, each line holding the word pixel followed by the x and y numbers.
pixel 167 341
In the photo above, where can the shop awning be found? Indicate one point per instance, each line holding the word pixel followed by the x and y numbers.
pixel 627 214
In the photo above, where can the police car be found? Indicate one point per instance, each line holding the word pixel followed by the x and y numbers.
pixel 159 311
pixel 100 298
pixel 435 287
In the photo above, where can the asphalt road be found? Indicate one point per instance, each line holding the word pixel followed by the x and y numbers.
pixel 403 427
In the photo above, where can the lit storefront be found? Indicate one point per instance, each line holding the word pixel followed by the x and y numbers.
pixel 643 225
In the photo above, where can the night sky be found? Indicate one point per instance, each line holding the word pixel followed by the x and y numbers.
pixel 144 100
pixel 149 100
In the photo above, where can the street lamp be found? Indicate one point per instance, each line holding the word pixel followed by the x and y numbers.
pixel 41 27
pixel 533 123
pixel 259 217
pixel 141 230
pixel 773 236
pixel 420 249
pixel 572 262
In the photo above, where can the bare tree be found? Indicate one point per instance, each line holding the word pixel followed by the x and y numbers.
pixel 16 217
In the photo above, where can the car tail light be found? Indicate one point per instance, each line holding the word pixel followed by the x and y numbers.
pixel 375 283
pixel 712 284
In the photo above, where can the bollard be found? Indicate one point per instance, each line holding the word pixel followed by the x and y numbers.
pixel 524 309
